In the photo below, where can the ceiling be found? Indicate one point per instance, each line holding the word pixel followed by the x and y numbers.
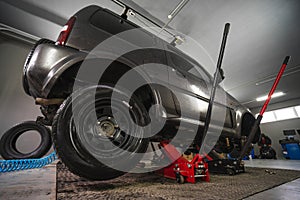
pixel 262 33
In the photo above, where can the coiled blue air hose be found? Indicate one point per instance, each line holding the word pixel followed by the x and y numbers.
pixel 22 164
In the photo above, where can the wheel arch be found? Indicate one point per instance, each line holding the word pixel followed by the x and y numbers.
pixel 58 71
pixel 66 76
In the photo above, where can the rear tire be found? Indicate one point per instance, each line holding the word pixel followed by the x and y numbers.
pixel 81 146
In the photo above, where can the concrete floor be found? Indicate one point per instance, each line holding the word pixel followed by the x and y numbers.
pixel 32 184
pixel 41 183
pixel 290 190
pixel 285 191
pixel 274 164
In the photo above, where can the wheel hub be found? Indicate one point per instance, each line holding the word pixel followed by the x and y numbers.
pixel 106 127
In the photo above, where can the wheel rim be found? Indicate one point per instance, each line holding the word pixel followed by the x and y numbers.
pixel 101 136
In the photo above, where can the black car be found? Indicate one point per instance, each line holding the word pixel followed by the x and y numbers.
pixel 52 77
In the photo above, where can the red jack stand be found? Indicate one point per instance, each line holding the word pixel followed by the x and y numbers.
pixel 181 169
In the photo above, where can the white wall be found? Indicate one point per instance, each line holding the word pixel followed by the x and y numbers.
pixel 15 105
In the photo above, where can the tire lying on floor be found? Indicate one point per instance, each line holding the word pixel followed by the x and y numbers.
pixel 8 142
pixel 91 142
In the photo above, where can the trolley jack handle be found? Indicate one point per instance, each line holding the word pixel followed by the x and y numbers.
pixel 263 109
pixel 218 77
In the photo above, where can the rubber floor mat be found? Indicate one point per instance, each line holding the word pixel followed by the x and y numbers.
pixel 152 186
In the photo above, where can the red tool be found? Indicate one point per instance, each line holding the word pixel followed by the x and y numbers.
pixel 263 109
pixel 182 169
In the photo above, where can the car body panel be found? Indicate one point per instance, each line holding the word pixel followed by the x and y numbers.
pixel 48 62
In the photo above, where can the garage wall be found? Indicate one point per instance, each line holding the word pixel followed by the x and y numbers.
pixel 15 105
pixel 275 129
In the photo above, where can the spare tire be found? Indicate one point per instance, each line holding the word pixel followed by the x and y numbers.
pixel 8 147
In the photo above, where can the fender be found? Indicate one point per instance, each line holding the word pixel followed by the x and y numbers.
pixel 48 62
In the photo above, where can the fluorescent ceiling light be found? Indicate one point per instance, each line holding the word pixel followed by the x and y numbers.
pixel 177 9
pixel 276 94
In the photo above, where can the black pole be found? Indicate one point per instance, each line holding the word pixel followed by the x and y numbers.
pixel 215 81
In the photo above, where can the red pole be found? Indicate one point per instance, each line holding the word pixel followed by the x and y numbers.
pixel 284 64
pixel 260 116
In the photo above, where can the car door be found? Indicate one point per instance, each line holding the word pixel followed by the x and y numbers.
pixel 190 90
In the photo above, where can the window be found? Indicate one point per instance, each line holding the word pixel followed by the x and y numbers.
pixel 286 113
pixel 268 117
pixel 281 114
pixel 297 108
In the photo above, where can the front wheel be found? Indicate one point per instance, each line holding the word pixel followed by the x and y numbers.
pixel 91 141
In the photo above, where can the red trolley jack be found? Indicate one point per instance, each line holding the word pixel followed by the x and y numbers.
pixel 182 169
pixel 187 170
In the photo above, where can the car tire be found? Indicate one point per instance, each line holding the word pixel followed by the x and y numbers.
pixel 75 148
pixel 247 123
pixel 8 148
